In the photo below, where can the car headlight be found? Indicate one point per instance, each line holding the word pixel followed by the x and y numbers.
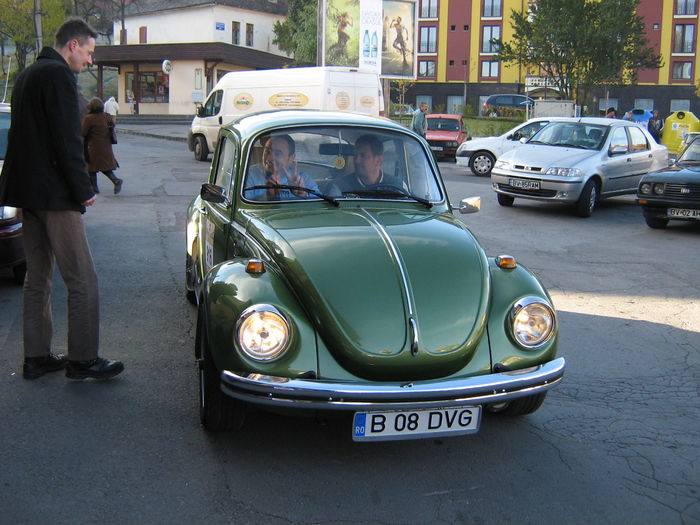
pixel 564 172
pixel 659 188
pixel 7 212
pixel 645 188
pixel 452 144
pixel 262 332
pixel 532 322
pixel 502 164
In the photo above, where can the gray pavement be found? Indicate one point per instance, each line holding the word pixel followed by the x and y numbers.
pixel 176 132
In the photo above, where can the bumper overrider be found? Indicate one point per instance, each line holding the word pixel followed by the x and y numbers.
pixel 337 395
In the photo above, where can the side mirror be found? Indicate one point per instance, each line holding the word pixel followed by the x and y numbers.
pixel 200 111
pixel 522 140
pixel 618 150
pixel 212 193
pixel 469 205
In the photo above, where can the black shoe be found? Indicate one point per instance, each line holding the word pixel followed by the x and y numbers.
pixel 118 186
pixel 37 366
pixel 98 368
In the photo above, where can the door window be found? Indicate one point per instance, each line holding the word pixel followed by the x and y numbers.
pixel 619 139
pixel 213 103
pixel 638 139
pixel 225 165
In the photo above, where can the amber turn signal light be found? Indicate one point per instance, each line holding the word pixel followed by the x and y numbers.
pixel 255 266
pixel 506 261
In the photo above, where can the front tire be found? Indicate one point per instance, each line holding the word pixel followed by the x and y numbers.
pixel 655 222
pixel 481 163
pixel 217 411
pixel 518 407
pixel 588 199
pixel 201 151
pixel 505 200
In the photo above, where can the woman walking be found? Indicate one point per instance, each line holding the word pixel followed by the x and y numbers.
pixel 97 136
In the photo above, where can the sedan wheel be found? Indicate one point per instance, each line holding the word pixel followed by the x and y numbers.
pixel 505 200
pixel 587 201
pixel 481 163
pixel 518 407
pixel 217 411
pixel 655 222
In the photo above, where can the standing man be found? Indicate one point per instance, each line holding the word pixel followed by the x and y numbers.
pixel 418 123
pixel 112 108
pixel 45 175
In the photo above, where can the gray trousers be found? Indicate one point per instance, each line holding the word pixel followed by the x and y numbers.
pixel 59 236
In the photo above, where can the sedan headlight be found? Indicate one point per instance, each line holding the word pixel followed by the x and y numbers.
pixel 532 322
pixel 7 212
pixel 262 332
pixel 502 164
pixel 659 188
pixel 645 188
pixel 564 172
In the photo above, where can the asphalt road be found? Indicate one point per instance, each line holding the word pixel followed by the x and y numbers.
pixel 616 442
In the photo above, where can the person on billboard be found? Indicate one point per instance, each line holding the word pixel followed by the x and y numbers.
pixel 401 36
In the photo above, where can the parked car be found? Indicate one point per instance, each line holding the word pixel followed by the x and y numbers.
pixel 402 110
pixel 480 154
pixel 673 193
pixel 11 247
pixel 494 104
pixel 578 161
pixel 356 298
pixel 445 134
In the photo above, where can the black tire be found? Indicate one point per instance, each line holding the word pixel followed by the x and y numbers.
pixel 588 199
pixel 217 411
pixel 19 272
pixel 655 222
pixel 481 163
pixel 505 200
pixel 189 281
pixel 518 407
pixel 201 151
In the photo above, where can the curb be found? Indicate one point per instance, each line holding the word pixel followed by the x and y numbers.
pixel 151 135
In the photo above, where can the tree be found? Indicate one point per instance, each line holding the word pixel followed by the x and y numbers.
pixel 17 24
pixel 101 14
pixel 580 44
pixel 298 33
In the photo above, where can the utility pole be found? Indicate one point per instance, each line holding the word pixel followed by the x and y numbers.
pixel 37 25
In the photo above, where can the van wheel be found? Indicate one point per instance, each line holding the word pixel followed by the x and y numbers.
pixel 587 201
pixel 201 151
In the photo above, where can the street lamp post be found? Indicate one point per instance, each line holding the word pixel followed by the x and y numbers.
pixel 37 25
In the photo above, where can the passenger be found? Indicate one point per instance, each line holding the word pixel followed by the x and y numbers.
pixel 279 167
pixel 369 155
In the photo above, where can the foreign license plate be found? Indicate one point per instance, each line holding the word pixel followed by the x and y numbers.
pixel 524 184
pixel 683 212
pixel 413 424
pixel 436 148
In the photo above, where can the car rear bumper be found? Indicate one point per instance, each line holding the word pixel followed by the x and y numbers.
pixel 332 395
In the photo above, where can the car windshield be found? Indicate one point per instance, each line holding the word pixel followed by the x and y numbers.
pixel 691 155
pixel 442 124
pixel 4 130
pixel 334 163
pixel 571 135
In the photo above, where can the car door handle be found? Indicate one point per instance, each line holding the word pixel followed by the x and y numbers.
pixel 629 160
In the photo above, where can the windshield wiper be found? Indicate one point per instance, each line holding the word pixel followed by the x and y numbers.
pixel 382 189
pixel 323 196
pixel 568 145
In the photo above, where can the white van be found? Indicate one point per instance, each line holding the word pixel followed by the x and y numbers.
pixel 242 92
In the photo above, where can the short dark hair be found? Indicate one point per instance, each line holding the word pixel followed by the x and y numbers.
pixel 74 28
pixel 373 142
pixel 95 106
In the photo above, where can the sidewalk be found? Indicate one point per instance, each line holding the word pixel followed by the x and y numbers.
pixel 177 132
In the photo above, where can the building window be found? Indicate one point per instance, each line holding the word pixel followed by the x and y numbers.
pixel 428 40
pixel 452 62
pixel 492 8
pixel 489 68
pixel 491 34
pixel 426 68
pixel 249 35
pixel 236 33
pixel 644 103
pixel 682 70
pixel 143 35
pixel 684 38
pixel 680 104
pixel 686 7
pixel 153 86
pixel 464 62
pixel 429 9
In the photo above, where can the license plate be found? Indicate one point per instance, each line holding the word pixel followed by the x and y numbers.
pixel 436 148
pixel 524 184
pixel 414 424
pixel 683 212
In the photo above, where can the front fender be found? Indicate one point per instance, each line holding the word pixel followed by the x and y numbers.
pixel 226 292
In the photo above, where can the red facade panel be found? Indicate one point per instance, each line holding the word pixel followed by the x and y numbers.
pixel 458 38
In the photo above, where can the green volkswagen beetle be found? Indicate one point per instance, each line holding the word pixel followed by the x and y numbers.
pixel 330 274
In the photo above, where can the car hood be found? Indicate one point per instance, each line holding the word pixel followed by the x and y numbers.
pixel 394 294
pixel 442 135
pixel 681 173
pixel 548 156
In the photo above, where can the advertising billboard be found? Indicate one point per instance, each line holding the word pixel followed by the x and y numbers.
pixel 372 35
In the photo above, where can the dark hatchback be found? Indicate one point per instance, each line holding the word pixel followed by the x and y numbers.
pixel 672 193
pixel 11 247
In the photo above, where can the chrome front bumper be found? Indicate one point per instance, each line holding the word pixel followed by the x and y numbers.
pixel 332 395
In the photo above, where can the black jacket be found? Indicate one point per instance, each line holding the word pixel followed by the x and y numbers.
pixel 44 166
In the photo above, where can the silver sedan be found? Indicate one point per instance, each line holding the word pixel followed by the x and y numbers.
pixel 578 161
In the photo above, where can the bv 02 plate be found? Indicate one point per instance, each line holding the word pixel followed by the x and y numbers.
pixel 414 424
pixel 683 213
pixel 524 184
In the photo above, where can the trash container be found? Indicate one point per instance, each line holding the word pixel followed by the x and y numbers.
pixel 676 127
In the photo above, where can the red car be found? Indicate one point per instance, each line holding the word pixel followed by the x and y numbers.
pixel 445 134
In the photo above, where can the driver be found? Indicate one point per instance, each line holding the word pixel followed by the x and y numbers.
pixel 369 155
pixel 279 167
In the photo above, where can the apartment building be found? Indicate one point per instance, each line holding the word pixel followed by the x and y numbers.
pixel 457 61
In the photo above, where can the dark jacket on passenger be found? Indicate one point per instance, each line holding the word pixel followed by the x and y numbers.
pixel 44 166
pixel 98 142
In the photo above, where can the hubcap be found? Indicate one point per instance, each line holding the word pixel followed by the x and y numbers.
pixel 482 164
